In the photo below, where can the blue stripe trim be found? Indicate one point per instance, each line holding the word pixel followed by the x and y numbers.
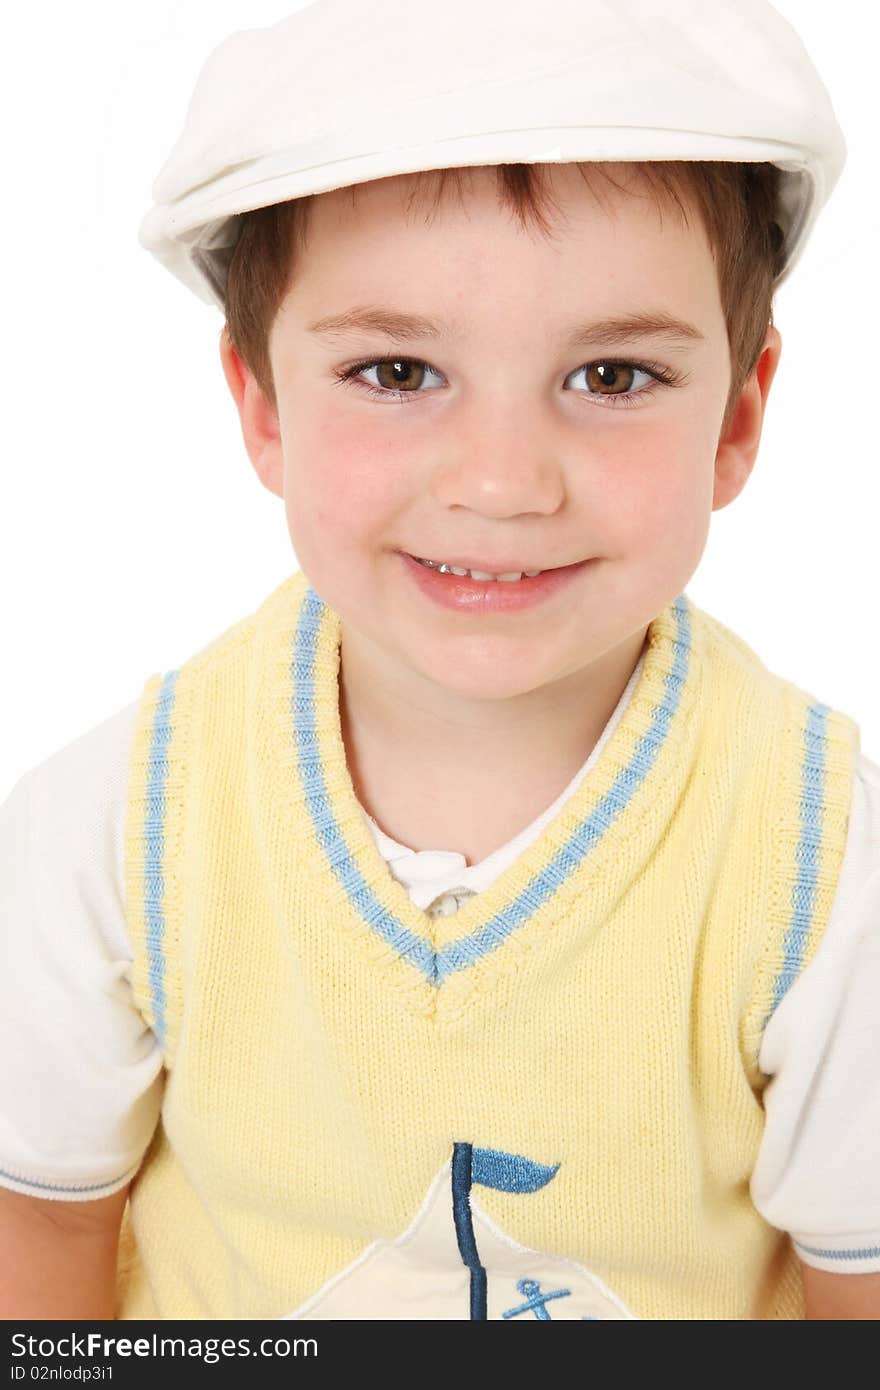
pixel 812 809
pixel 53 1187
pixel 437 966
pixel 867 1252
pixel 154 837
pixel 413 948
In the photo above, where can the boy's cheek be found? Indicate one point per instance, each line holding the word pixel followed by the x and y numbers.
pixel 672 529
pixel 655 515
pixel 641 494
pixel 339 507
pixel 349 472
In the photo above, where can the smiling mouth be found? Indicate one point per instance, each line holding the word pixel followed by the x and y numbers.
pixel 508 576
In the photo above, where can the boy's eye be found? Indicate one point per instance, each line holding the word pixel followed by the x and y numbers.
pixel 400 378
pixel 400 373
pixel 611 378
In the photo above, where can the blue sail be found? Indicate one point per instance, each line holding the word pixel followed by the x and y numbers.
pixel 509 1172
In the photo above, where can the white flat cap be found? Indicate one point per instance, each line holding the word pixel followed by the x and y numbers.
pixel 341 92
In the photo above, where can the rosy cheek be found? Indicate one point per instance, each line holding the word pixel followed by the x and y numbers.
pixel 355 469
pixel 645 501
pixel 672 514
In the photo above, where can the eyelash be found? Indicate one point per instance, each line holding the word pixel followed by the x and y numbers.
pixel 662 377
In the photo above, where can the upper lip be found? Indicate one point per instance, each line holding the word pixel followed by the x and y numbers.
pixel 500 567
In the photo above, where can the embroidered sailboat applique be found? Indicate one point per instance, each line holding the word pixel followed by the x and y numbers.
pixel 455 1262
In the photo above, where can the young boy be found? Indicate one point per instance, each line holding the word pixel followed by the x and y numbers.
pixel 607 1053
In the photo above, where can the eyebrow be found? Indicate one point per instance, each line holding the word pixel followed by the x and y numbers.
pixel 605 332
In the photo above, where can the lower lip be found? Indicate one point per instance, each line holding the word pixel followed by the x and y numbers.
pixel 466 595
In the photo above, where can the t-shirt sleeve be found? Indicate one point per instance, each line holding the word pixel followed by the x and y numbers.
pixel 818 1169
pixel 81 1076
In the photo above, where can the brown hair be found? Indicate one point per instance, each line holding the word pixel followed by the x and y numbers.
pixel 736 202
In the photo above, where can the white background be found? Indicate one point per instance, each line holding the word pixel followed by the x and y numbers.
pixel 133 529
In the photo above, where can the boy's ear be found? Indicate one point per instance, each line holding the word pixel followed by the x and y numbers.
pixel 738 446
pixel 259 422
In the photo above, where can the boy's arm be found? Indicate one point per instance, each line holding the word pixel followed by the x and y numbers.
pixel 834 1296
pixel 58 1259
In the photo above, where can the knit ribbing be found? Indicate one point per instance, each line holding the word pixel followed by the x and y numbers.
pixel 815 777
pixel 159 780
pixel 153 841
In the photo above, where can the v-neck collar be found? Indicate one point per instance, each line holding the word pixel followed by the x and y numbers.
pixel 443 958
pixel 431 874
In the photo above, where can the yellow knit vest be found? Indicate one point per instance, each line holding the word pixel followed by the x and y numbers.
pixel 546 1105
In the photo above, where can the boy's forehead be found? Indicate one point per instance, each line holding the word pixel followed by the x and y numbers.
pixel 551 305
pixel 380 232
pixel 473 213
pixel 376 267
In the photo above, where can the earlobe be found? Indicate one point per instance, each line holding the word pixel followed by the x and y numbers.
pixel 259 421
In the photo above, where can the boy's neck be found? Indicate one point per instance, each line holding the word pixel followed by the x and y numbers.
pixel 468 776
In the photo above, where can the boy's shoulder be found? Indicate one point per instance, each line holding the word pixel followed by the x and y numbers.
pixel 728 648
pixel 722 642
pixel 279 610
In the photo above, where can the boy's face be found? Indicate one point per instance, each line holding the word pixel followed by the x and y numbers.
pixel 511 449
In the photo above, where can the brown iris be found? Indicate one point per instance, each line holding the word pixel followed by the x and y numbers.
pixel 399 374
pixel 601 374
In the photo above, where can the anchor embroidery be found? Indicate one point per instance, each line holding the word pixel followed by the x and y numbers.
pixel 535 1300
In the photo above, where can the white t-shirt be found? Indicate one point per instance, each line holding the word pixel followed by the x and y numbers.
pixel 81 1077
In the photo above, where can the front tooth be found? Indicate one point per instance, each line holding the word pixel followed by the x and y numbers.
pixel 443 568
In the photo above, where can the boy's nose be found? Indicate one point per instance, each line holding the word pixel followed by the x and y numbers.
pixel 499 486
pixel 500 472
